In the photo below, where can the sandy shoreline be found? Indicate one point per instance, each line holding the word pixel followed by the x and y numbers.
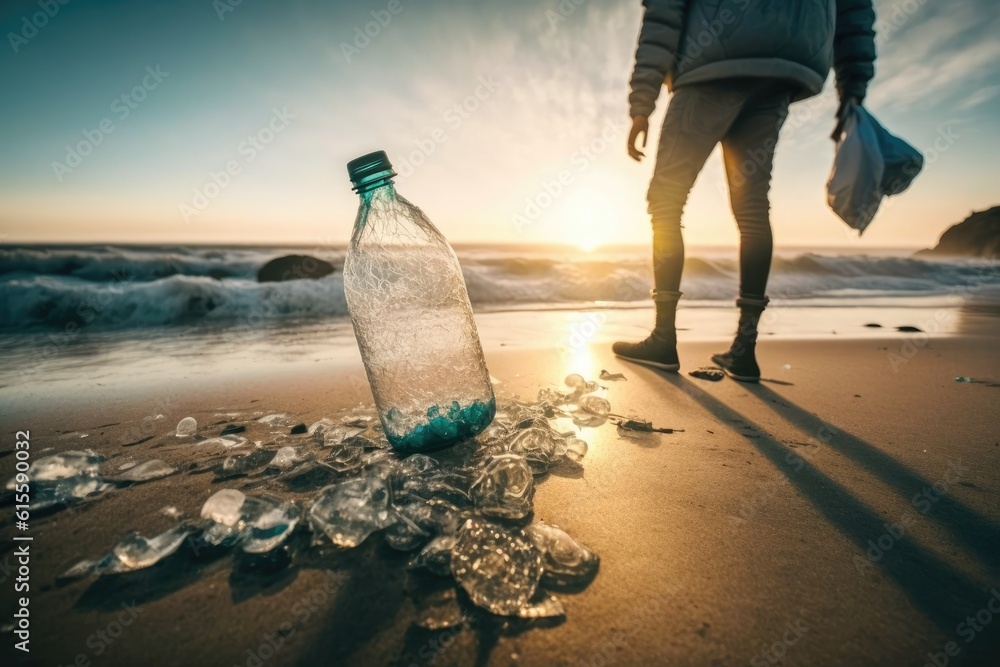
pixel 746 533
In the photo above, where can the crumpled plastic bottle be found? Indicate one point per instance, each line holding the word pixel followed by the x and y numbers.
pixel 412 319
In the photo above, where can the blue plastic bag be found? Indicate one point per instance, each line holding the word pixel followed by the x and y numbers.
pixel 869 164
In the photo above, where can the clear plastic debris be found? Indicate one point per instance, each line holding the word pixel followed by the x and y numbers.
pixel 435 516
pixel 357 421
pixel 224 507
pixel 498 567
pixel 267 523
pixel 576 449
pixel 540 446
pixel 273 419
pixel 436 555
pixel 145 471
pixel 547 607
pixel 226 441
pixel 186 427
pixel 245 464
pixel 133 552
pixel 345 458
pixel 136 552
pixel 439 611
pixel 348 512
pixel 63 479
pixel 453 510
pixel 64 466
pixel 286 458
pixel 612 376
pixel 595 405
pixel 420 463
pixel 504 488
pixel 565 561
pixel 405 535
pixel 320 426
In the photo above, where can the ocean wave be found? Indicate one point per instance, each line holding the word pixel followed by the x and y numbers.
pixel 121 288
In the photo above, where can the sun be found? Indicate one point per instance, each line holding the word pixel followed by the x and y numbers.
pixel 588 220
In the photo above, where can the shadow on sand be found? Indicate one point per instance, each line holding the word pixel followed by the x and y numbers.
pixel 942 594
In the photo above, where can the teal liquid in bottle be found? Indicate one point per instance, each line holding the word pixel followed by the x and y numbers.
pixel 412 318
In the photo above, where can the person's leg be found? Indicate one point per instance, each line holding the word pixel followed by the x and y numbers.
pixel 698 117
pixel 748 152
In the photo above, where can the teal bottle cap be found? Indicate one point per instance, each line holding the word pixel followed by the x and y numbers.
pixel 369 167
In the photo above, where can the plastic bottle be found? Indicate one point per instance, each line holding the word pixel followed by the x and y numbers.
pixel 412 319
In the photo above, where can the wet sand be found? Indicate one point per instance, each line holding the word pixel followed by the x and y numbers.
pixel 846 514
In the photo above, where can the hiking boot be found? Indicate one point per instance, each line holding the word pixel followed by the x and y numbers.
pixel 659 350
pixel 654 351
pixel 740 362
pixel 743 367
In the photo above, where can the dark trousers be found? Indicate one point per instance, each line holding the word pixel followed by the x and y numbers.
pixel 745 115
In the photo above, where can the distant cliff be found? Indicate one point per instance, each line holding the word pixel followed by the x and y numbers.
pixel 976 236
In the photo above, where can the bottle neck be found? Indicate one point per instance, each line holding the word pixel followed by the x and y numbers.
pixel 373 181
pixel 377 189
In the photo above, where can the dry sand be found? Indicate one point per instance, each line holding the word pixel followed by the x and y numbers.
pixel 742 540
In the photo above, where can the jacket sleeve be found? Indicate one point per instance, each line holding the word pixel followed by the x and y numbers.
pixel 854 47
pixel 659 38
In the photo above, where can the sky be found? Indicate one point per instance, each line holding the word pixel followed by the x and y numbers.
pixel 231 121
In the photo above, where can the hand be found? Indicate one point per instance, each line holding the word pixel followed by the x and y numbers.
pixel 640 125
pixel 843 112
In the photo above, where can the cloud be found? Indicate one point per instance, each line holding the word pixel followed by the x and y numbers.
pixel 979 97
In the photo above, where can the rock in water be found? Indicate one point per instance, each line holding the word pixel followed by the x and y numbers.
pixel 498 568
pixel 504 488
pixel 186 427
pixel 294 267
pixel 348 512
pixel 976 236
pixel 565 561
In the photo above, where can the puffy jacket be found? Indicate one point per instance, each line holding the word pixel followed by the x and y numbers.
pixel 687 41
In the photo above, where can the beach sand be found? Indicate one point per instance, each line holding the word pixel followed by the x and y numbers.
pixel 767 532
